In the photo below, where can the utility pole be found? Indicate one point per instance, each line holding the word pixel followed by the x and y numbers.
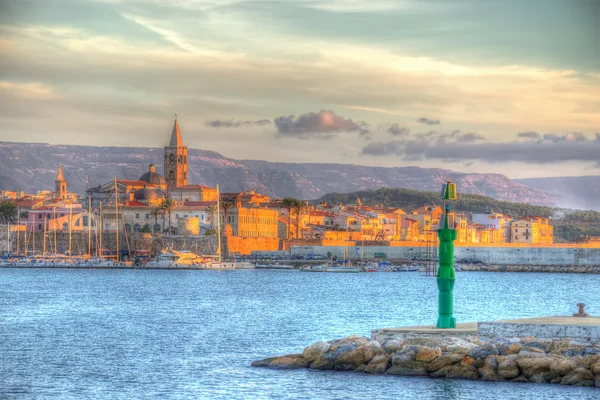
pixel 446 274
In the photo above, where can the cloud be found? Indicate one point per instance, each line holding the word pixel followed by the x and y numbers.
pixel 324 124
pixel 529 135
pixel 395 130
pixel 470 147
pixel 428 121
pixel 393 147
pixel 230 123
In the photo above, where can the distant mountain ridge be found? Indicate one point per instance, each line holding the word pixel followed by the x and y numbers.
pixel 581 192
pixel 32 166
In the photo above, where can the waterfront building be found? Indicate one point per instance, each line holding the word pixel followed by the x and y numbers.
pixel 533 230
pixel 498 221
pixel 193 193
pixel 253 222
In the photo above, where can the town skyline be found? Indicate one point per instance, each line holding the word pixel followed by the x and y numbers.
pixel 350 82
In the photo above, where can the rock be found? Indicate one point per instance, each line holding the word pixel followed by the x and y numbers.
pixel 456 348
pixel 533 366
pixel 597 383
pixel 444 360
pixel 315 350
pixel 489 371
pixel 530 354
pixel 324 362
pixel 537 379
pixel 338 348
pixel 462 372
pixel 527 339
pixel 596 368
pixel 428 354
pixel 562 366
pixel 589 361
pixel 408 355
pixel 531 349
pixel 393 345
pixel 290 361
pixel 514 348
pixel 585 383
pixel 361 368
pixel 378 365
pixel 409 368
pixel 262 363
pixel 424 342
pixel 520 378
pixel 508 369
pixel 350 360
pixel 576 376
pixel 481 352
pixel 557 346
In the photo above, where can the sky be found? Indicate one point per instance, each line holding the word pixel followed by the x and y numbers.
pixel 511 87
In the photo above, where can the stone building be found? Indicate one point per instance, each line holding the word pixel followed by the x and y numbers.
pixel 532 230
pixel 176 160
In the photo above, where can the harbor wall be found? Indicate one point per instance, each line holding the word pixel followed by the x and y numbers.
pixel 509 255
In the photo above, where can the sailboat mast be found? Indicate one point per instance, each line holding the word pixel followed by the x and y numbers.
pixel 70 236
pixel 101 229
pixel 44 253
pixel 18 231
pixel 219 224
pixel 117 215
pixel 89 226
pixel 55 224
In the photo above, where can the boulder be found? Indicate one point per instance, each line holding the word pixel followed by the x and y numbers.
pixel 424 342
pixel 393 345
pixel 534 366
pixel 532 349
pixel 577 376
pixel 596 368
pixel 408 368
pixel 361 368
pixel 378 364
pixel 481 352
pixel 290 361
pixel 514 348
pixel 315 350
pixel 444 360
pixel 530 354
pixel 351 359
pixel 460 371
pixel 520 378
pixel 537 378
pixel 262 363
pixel 489 371
pixel 589 361
pixel 457 348
pixel 428 354
pixel 508 369
pixel 407 355
pixel 597 383
pixel 557 346
pixel 562 366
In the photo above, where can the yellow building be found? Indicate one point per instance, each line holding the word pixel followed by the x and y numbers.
pixel 533 230
pixel 253 222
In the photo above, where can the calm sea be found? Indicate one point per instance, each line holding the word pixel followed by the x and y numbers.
pixel 128 334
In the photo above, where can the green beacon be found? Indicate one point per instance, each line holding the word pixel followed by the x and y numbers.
pixel 446 275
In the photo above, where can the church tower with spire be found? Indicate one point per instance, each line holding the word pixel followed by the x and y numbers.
pixel 60 184
pixel 176 160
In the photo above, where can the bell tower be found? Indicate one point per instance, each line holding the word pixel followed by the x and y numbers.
pixel 176 159
pixel 60 185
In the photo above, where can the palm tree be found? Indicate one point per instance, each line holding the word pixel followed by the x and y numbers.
pixel 299 207
pixel 226 206
pixel 168 205
pixel 157 212
pixel 288 203
pixel 211 214
pixel 8 211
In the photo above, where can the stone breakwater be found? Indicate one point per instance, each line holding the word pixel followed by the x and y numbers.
pixel 526 359
pixel 571 269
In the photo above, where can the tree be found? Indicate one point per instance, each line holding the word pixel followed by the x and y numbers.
pixel 8 212
pixel 288 203
pixel 299 207
pixel 226 206
pixel 168 205
pixel 211 214
pixel 155 213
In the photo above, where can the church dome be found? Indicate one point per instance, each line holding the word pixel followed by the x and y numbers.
pixel 145 194
pixel 153 177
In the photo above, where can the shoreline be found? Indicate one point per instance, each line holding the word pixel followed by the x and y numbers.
pixel 505 359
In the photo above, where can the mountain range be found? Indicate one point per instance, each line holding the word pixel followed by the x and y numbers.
pixel 33 166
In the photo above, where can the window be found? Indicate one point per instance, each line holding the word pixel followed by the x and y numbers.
pixel 40 216
pixel 147 216
pixel 40 227
pixel 137 215
pixel 85 220
pixel 176 215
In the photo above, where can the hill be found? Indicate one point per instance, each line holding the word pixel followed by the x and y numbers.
pixel 32 166
pixel 570 225
pixel 569 191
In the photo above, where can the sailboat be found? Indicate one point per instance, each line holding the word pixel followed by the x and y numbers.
pixel 214 261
